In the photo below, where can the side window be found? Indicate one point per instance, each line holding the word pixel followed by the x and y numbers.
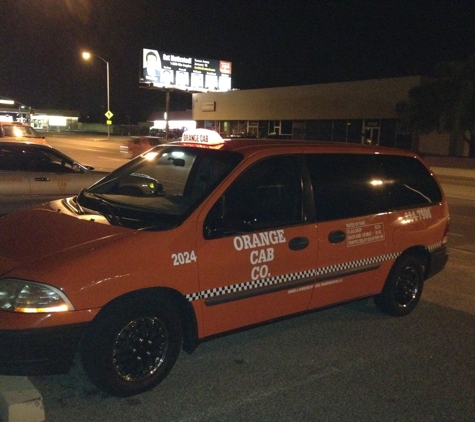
pixel 266 195
pixel 346 185
pixel 8 159
pixel 409 183
pixel 22 158
pixel 14 158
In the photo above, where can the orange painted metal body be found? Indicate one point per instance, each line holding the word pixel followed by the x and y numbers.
pixel 231 282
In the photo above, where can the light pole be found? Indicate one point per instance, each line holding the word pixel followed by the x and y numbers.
pixel 86 56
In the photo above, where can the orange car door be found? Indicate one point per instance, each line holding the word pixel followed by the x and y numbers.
pixel 352 229
pixel 256 253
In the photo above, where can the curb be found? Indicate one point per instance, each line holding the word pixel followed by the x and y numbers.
pixel 20 401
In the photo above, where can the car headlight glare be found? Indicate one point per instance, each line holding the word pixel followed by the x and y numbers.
pixel 31 297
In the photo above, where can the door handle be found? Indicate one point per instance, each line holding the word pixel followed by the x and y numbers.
pixel 42 179
pixel 337 236
pixel 298 243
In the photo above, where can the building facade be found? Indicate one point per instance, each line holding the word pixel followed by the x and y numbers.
pixel 43 120
pixel 362 112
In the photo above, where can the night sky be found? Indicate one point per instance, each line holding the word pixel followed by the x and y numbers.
pixel 270 43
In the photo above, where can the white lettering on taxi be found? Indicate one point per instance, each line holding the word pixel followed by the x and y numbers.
pixel 316 285
pixel 258 240
pixel 417 215
pixel 260 256
pixel 183 258
pixel 360 233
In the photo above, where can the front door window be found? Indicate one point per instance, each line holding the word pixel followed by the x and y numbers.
pixel 257 252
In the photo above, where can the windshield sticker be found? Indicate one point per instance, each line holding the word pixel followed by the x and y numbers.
pixel 260 252
pixel 360 233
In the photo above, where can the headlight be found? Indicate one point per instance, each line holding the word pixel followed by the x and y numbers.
pixel 31 297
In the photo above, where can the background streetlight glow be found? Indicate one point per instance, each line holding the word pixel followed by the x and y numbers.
pixel 86 56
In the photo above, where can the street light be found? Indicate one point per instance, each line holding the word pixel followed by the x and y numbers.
pixel 86 56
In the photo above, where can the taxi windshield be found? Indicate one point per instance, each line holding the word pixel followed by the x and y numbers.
pixel 160 188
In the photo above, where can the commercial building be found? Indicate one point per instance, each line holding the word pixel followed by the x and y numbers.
pixel 362 112
pixel 47 120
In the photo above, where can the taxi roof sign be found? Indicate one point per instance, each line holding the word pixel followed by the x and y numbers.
pixel 202 136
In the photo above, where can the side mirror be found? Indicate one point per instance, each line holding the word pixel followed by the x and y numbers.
pixel 79 168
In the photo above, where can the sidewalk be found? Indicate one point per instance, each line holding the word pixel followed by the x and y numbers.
pixel 468 174
pixel 452 162
pixel 460 167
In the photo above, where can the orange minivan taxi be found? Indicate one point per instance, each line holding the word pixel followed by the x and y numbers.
pixel 204 235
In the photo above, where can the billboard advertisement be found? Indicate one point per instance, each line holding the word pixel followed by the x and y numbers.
pixel 164 70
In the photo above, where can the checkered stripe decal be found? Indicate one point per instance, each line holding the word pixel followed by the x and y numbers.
pixel 434 246
pixel 249 285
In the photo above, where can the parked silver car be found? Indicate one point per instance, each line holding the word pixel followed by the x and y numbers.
pixel 31 174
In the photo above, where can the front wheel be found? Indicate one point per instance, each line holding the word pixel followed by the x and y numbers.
pixel 403 287
pixel 131 346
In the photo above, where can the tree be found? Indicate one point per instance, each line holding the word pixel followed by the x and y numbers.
pixel 444 103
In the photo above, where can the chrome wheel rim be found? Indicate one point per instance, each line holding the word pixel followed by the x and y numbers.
pixel 140 348
pixel 407 287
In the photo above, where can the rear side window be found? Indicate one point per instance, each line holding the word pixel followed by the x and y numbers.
pixel 351 185
pixel 409 183
pixel 345 185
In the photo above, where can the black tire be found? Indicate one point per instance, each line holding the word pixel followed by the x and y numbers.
pixel 403 287
pixel 132 345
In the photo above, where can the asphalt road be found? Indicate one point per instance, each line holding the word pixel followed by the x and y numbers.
pixel 93 150
pixel 345 363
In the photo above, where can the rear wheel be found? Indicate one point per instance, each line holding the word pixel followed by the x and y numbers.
pixel 131 345
pixel 403 287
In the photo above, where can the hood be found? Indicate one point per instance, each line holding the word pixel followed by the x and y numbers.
pixel 41 238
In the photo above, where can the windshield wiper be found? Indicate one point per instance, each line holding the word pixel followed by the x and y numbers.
pixel 111 216
pixel 109 207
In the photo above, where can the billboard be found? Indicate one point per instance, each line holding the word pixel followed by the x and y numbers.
pixel 164 70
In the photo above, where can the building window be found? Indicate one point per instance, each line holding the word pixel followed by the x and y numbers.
pixel 286 127
pixel 355 131
pixel 340 130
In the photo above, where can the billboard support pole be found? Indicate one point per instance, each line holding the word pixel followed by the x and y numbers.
pixel 167 107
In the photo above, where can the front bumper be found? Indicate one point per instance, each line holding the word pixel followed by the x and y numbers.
pixel 39 351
